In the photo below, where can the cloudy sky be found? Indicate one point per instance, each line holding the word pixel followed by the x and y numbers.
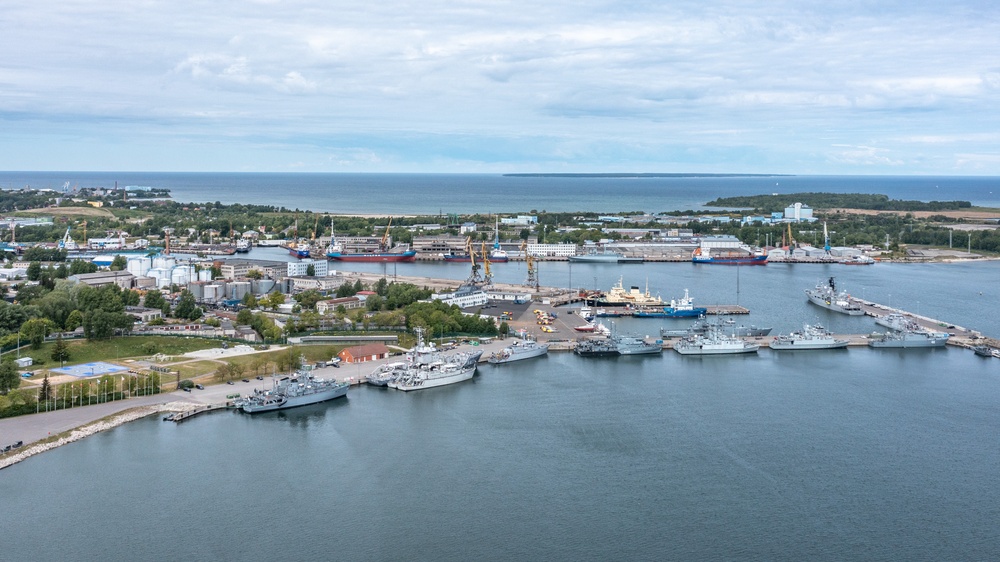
pixel 834 87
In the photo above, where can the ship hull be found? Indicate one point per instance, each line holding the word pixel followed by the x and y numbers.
pixel 909 343
pixel 722 260
pixel 603 259
pixel 834 306
pixel 715 350
pixel 668 313
pixel 407 256
pixel 795 345
pixel 519 354
pixel 295 401
pixel 298 253
pixel 461 375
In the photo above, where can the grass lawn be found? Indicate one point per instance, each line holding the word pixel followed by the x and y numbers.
pixel 117 349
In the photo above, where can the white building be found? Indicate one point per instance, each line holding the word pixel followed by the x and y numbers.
pixel 520 220
pixel 799 212
pixel 300 268
pixel 464 297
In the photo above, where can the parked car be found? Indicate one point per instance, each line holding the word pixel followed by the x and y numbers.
pixel 199 387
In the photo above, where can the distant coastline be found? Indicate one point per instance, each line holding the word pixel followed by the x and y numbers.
pixel 646 175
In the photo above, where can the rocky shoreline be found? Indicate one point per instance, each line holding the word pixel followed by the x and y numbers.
pixel 95 427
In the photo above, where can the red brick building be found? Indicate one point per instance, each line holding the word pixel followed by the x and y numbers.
pixel 362 353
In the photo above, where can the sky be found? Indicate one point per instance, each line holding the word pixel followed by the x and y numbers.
pixel 729 86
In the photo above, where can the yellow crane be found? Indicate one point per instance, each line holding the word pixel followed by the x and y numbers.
pixel 487 274
pixel 532 280
pixel 384 244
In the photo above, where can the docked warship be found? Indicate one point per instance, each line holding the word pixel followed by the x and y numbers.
pixel 828 297
pixel 811 337
pixel 300 389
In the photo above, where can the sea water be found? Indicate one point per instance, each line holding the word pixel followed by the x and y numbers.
pixel 841 454
pixel 431 194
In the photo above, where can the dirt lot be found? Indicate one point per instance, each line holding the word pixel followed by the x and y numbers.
pixel 969 214
pixel 72 211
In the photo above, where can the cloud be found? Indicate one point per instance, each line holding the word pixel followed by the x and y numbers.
pixel 639 81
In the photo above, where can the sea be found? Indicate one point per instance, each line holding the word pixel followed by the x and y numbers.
pixel 856 454
pixel 432 194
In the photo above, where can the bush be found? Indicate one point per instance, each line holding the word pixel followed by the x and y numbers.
pixel 186 383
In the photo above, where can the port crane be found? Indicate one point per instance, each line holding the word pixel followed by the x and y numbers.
pixel 474 277
pixel 384 243
pixel 532 280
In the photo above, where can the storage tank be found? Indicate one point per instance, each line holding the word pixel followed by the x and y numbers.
pixel 261 286
pixel 197 289
pixel 205 275
pixel 164 262
pixel 238 289
pixel 213 292
pixel 139 266
pixel 162 276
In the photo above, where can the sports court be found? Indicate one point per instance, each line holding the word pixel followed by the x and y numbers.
pixel 89 369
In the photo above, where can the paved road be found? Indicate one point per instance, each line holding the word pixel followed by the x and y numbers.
pixel 33 427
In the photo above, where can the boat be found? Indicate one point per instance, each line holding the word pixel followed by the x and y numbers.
pixel 242 246
pixel 679 308
pixel 606 255
pixel 632 345
pixel 605 313
pixel 67 243
pixel 439 373
pixel 521 349
pixel 497 254
pixel 908 339
pixel 984 351
pixel 634 298
pixel 810 337
pixel 301 389
pixel 858 260
pixel 898 322
pixel 701 325
pixel 300 249
pixel 384 253
pixel 335 253
pixel 828 297
pixel 597 347
pixel 384 374
pixel 714 342
pixel 586 328
pixel 586 313
pixel 729 257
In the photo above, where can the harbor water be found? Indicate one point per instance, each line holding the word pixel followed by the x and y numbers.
pixel 828 455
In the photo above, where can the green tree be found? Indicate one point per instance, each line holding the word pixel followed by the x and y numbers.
pixel 35 330
pixel 153 299
pixel 254 274
pixel 9 379
pixel 244 317
pixel 45 392
pixel 186 307
pixel 60 351
pixel 250 300
pixel 310 270
pixel 119 263
pixel 74 320
pixel 275 299
pixel 34 271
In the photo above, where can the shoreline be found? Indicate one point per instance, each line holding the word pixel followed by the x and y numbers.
pixel 91 428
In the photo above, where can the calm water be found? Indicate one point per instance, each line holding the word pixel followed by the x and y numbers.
pixel 848 454
pixel 483 193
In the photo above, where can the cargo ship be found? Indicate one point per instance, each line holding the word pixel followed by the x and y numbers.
pixel 336 252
